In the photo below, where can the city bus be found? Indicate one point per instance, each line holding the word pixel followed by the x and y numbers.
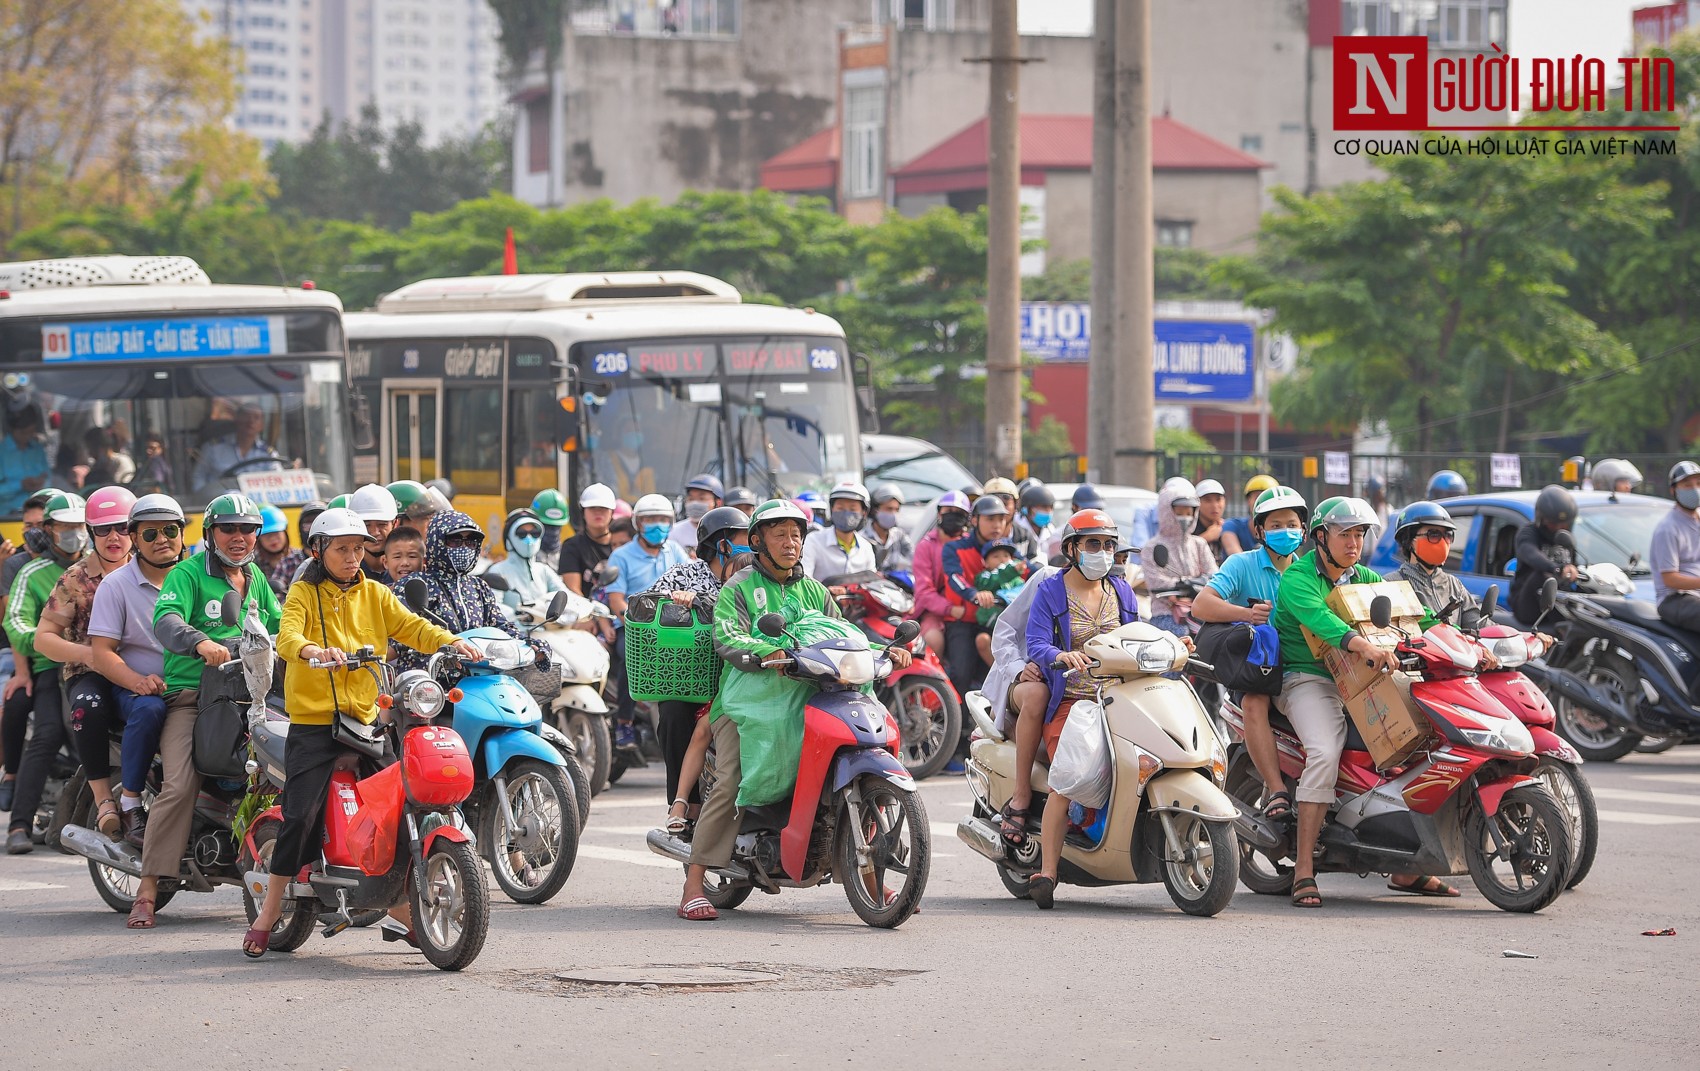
pixel 507 384
pixel 142 372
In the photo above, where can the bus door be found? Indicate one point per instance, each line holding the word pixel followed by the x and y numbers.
pixel 412 429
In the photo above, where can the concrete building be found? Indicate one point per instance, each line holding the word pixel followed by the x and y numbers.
pixel 277 51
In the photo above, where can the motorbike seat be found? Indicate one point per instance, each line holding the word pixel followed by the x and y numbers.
pixel 1645 615
pixel 1354 739
pixel 270 740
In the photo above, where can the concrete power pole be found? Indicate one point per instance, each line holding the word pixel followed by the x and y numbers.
pixel 1135 388
pixel 1003 245
pixel 1101 371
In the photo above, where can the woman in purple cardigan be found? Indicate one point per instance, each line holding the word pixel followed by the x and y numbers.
pixel 1069 608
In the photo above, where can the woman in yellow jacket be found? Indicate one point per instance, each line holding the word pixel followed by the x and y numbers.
pixel 333 608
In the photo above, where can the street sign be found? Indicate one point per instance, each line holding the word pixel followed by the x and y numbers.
pixel 1505 470
pixel 1057 330
pixel 279 487
pixel 1337 469
pixel 1204 361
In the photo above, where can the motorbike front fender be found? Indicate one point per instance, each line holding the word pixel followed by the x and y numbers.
pixel 500 748
pixel 1548 742
pixel 1493 793
pixel 270 814
pixel 581 697
pixel 850 765
pixel 443 832
pixel 1191 791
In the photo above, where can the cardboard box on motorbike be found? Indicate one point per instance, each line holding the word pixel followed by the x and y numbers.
pixel 1379 704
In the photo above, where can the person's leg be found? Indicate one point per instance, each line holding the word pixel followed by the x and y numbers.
pixel 1260 743
pixel 1030 699
pixel 94 716
pixel 47 736
pixel 932 633
pixel 310 755
pixel 674 727
pixel 624 706
pixel 966 670
pixel 1313 705
pixel 1680 610
pixel 173 810
pixel 983 645
pixel 690 770
pixel 14 729
pixel 717 825
pixel 144 724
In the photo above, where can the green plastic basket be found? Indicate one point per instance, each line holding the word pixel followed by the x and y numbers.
pixel 670 661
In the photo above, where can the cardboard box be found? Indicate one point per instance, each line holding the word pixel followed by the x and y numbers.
pixel 1351 603
pixel 1379 704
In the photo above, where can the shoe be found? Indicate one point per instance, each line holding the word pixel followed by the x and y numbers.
pixel 625 736
pixel 955 766
pixel 138 830
pixel 8 789
pixel 18 842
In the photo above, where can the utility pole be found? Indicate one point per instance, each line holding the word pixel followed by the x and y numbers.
pixel 1135 385
pixel 1101 367
pixel 1003 244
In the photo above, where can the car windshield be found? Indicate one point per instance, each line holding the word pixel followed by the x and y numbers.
pixel 276 428
pixel 1618 534
pixel 924 477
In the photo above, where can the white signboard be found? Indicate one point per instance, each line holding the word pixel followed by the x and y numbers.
pixel 1337 469
pixel 1505 470
pixel 280 487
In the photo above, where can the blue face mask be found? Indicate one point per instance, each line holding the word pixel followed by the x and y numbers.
pixel 1041 519
pixel 527 546
pixel 630 441
pixel 732 550
pixel 655 534
pixel 1283 541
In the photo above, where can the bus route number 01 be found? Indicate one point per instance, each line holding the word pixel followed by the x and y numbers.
pixel 610 363
pixel 823 359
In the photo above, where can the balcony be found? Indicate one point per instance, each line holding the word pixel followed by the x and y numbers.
pixel 655 18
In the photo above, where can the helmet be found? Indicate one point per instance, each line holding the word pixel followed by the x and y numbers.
pixel 1446 484
pixel 442 487
pixel 1037 496
pixel 953 500
pixel 775 510
pixel 653 506
pixel 1606 474
pixel 622 508
pixel 1555 507
pixel 702 481
pixel 1345 513
pixel 272 520
pixel 232 508
pixel 1682 470
pixel 337 521
pixel 741 496
pixel 989 505
pixel 999 485
pixel 339 502
pixel 373 502
pixel 721 522
pixel 1277 498
pixel 1211 487
pixel 596 496
pixel 111 505
pixel 514 519
pixel 1185 493
pixel 1260 483
pixel 1001 543
pixel 1418 514
pixel 850 489
pixel 1086 497
pixel 550 506
pixel 810 499
pixel 41 497
pixel 67 507
pixel 886 492
pixel 156 508
pixel 407 494
pixel 1089 522
pixel 304 520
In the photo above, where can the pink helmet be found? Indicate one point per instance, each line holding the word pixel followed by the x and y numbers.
pixel 622 508
pixel 109 505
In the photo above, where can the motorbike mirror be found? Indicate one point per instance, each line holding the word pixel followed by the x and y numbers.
pixel 605 574
pixel 1470 620
pixel 497 581
pixel 906 633
pixel 558 605
pixel 1381 611
pixel 415 594
pixel 1160 556
pixel 770 624
pixel 1490 600
pixel 1563 538
pixel 230 609
pixel 1549 593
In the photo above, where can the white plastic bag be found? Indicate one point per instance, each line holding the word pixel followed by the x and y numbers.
pixel 1080 770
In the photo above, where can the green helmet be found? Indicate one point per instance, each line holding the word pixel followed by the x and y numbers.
pixel 551 507
pixel 232 508
pixel 416 502
pixel 778 509
pixel 1345 513
pixel 66 507
pixel 339 502
pixel 42 497
pixel 1280 497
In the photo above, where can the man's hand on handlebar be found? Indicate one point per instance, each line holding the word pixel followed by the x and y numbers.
pixel 778 661
pixel 1571 573
pixel 323 656
pixel 900 657
pixel 212 652
pixel 1384 659
pixel 466 649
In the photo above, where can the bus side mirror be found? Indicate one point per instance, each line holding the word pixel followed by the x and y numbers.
pixel 1381 611
pixel 865 400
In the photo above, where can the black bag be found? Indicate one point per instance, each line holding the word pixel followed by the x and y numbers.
pixel 221 727
pixel 1227 645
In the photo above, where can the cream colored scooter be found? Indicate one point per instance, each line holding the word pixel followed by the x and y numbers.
pixel 1167 818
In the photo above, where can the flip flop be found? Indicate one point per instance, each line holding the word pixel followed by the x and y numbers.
pixel 256 942
pixel 141 914
pixel 1279 805
pixel 698 910
pixel 1305 889
pixel 1429 886
pixel 1042 890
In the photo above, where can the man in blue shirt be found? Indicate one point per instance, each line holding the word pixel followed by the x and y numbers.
pixel 242 445
pixel 23 459
pixel 1244 589
pixel 641 563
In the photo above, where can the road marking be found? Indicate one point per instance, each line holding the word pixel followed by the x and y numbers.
pixel 603 805
pixel 1629 794
pixel 1640 819
pixel 14 885
pixel 625 855
pixel 1669 778
pixel 944 829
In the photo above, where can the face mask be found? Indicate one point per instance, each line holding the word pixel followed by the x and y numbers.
pixel 952 524
pixel 1118 570
pixel 1096 565
pixel 1283 541
pixel 1041 519
pixel 886 519
pixel 72 541
pixel 1431 553
pixel 527 546
pixel 463 559
pixel 655 534
pixel 846 520
pixel 1688 498
pixel 696 510
pixel 37 541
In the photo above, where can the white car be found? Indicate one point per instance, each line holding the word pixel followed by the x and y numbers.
pixel 1134 509
pixel 920 470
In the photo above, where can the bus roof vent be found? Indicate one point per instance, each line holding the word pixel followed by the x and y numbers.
pixel 101 271
pixel 533 293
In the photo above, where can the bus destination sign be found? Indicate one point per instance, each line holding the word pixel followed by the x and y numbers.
pixel 126 340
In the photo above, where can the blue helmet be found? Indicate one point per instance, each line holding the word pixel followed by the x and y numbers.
pixel 1086 497
pixel 272 520
pixel 1446 484
pixel 705 482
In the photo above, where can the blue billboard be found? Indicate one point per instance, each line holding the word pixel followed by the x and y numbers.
pixel 125 340
pixel 1205 361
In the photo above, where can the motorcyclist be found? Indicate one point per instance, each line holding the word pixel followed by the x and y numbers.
pixel 962 563
pixel 841 548
pixel 1189 555
pixel 1446 484
pixel 415 503
pixel 641 562
pixel 934 606
pixel 1237 535
pixel 377 507
pixel 529 580
pixel 274 556
pixel 894 551
pixel 591 545
pixel 15 718
pixel 189 626
pixel 1615 476
pixel 304 520
pixel 459 599
pixel 1675 553
pixel 703 492
pixel 743 498
pixel 1207 525
pixel 1035 505
pixel 1538 556
pixel 551 509
pixel 1424 533
pixel 335 609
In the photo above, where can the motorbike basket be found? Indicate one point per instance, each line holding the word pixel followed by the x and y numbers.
pixel 544 683
pixel 670 652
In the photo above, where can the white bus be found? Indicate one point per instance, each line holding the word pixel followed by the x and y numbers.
pixel 508 384
pixel 141 371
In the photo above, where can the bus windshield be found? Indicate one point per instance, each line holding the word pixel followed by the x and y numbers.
pixel 776 415
pixel 188 429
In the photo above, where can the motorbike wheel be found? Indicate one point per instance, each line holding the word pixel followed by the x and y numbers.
pixel 1015 883
pixel 723 894
pixel 1530 872
pixel 1572 792
pixel 451 914
pixel 1201 873
pixel 617 768
pixel 1258 872
pixel 894 823
pixel 532 867
pixel 295 925
pixel 929 720
pixel 581 788
pixel 1596 738
pixel 1657 745
pixel 595 744
pixel 117 888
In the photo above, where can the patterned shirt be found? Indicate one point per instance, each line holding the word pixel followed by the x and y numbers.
pixel 1082 626
pixel 692 576
pixel 283 573
pixel 70 604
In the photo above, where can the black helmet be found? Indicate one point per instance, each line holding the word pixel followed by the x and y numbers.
pixel 1418 514
pixel 989 506
pixel 1036 495
pixel 740 496
pixel 1087 497
pixel 721 523
pixel 1555 507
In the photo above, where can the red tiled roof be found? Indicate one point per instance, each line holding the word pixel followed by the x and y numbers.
pixel 806 167
pixel 1060 143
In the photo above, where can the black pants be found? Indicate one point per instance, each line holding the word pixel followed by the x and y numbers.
pixel 47 737
pixel 1681 610
pixel 309 757
pixel 678 722
pixel 967 670
pixel 15 728
pixel 95 722
pixel 624 706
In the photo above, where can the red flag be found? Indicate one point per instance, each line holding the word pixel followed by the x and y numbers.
pixel 510 259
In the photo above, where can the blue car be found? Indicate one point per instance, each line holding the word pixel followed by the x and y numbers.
pixel 1609 528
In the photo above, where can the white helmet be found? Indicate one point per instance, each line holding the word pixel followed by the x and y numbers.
pixel 1606 474
pixel 849 489
pixel 1185 494
pixel 596 496
pixel 156 508
pixel 1210 487
pixel 653 506
pixel 372 503
pixel 337 522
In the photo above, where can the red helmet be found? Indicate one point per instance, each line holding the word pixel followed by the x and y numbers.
pixel 1089 522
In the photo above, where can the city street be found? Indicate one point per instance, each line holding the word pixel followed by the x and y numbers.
pixel 977 979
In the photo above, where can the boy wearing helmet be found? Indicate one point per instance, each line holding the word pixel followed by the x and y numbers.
pixel 840 548
pixel 376 507
pixel 1236 531
pixel 703 492
pixel 1539 556
pixel 1675 553
pixel 529 580
pixel 893 550
pixel 962 563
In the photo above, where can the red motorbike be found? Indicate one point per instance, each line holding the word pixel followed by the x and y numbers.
pixel 920 696
pixel 1469 803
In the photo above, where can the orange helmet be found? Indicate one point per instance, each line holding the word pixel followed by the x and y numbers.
pixel 1089 522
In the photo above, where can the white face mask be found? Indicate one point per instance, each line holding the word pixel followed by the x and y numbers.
pixel 1095 565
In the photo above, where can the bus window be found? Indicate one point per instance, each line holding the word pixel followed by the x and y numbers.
pixel 473 433
pixel 533 453
pixel 646 428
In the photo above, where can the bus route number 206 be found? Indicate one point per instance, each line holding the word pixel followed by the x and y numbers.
pixel 823 359
pixel 610 363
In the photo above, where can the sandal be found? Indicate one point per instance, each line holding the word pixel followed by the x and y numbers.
pixel 678 823
pixel 1042 890
pixel 110 822
pixel 141 914
pixel 392 931
pixel 1428 886
pixel 1279 805
pixel 1013 828
pixel 1306 894
pixel 698 910
pixel 255 943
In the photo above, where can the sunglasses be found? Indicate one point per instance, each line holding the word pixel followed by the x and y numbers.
pixel 467 540
pixel 167 531
pixel 1435 535
pixel 1093 546
pixel 101 531
pixel 529 533
pixel 236 529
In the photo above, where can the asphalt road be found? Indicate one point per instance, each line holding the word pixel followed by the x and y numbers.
pixel 977 979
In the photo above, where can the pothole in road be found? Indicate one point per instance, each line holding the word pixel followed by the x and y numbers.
pixel 660 979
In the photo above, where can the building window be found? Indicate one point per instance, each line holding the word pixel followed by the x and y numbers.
pixel 1174 233
pixel 864 141
pixel 1451 24
pixel 537 135
pixel 1252 143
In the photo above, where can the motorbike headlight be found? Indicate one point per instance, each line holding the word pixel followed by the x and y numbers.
pixel 421 696
pixel 568 618
pixel 1155 656
pixel 1512 651
pixel 505 654
pixel 1507 735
